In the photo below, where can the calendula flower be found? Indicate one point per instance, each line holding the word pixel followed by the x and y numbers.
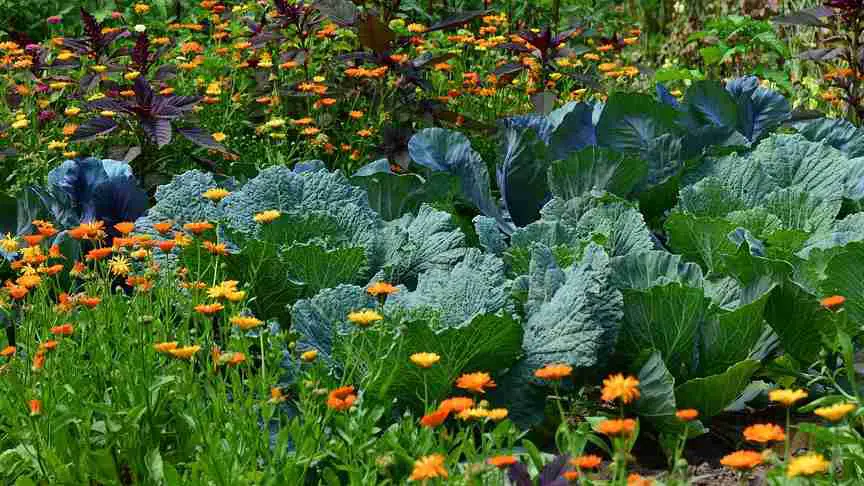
pixel 381 288
pixel 807 465
pixel 163 227
pixel 764 433
pixel 589 461
pixel 342 398
pixel 617 427
pixel 89 301
pixel 742 460
pixel 9 244
pixel 198 227
pixel 165 347
pixel 209 309
pixel 35 407
pixel 476 382
pixel 219 137
pixel 215 194
pixel 425 360
pixel 456 404
pixel 266 217
pixel 141 8
pixel 473 414
pixel 185 352
pixel 63 330
pixel 98 253
pixel 687 414
pixel 428 467
pixel 634 479
pixel 119 265
pixel 501 461
pixel 309 356
pixel 222 290
pixel 554 372
pixel 435 418
pixel 497 414
pixel 216 248
pixel 276 395
pixel 246 322
pixel 364 317
pixel 618 386
pixel 833 302
pixel 8 351
pixel 835 412
pixel 787 397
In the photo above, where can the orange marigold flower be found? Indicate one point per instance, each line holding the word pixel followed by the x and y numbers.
pixel 456 404
pixel 165 347
pixel 276 395
pixel 163 227
pixel 125 227
pixel 764 433
pixel 8 351
pixel 17 292
pixel 35 407
pixel 554 372
pixel 246 322
pixel 88 301
pixel 435 418
pixel 687 414
pixel 833 301
pixel 48 345
pixel 620 387
pixel 589 461
pixel 501 461
pixel 381 288
pixel 637 480
pixel 476 382
pixel 355 114
pixel 215 248
pixel 428 467
pixel 787 397
pixel 209 309
pixel 571 475
pixel 309 356
pixel 166 245
pixel 33 240
pixel 63 330
pixel 198 227
pixel 38 361
pixel 742 460
pixel 99 253
pixel 342 398
pixel 616 427
pixel 185 352
pixel 268 216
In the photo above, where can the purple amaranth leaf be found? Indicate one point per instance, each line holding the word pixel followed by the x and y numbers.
pixel 93 128
pixel 201 137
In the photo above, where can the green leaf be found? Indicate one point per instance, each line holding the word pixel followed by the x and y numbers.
pixel 650 268
pixel 476 285
pixel 657 389
pixel 666 318
pixel 729 337
pixel 703 240
pixel 710 395
pixel 798 319
pixel 631 122
pixel 318 268
pixel 525 160
pixel 595 168
pixel 486 343
pixel 153 461
pixel 392 195
pixel 843 276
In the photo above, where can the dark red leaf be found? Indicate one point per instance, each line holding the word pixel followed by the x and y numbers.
pixel 201 137
pixel 456 20
pixel 808 16
pixel 93 128
pixel 158 129
pixel 375 35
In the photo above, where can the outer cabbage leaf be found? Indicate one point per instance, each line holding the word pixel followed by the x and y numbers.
pixel 760 110
pixel 710 395
pixel 595 168
pixel 181 199
pixel 476 285
pixel 651 268
pixel 415 244
pixel 836 132
pixel 522 175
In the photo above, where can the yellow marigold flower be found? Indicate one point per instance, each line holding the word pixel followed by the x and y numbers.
pixel 219 137
pixel 835 412
pixel 425 360
pixel 764 433
pixel 235 296
pixel 787 397
pixel 429 467
pixel 9 244
pixel 222 290
pixel 119 265
pixel 620 387
pixel 309 356
pixel 165 347
pixel 247 322
pixel 554 372
pixel 19 124
pixel 141 8
pixel 381 288
pixel 213 89
pixel 476 382
pixel 209 309
pixel 215 194
pixel 185 352
pixel 268 216
pixel 364 317
pixel 497 414
pixel 198 227
pixel 131 76
pixel 742 460
pixel 57 145
pixel 807 465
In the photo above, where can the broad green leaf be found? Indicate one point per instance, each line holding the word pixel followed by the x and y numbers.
pixel 703 240
pixel 595 168
pixel 657 389
pixel 729 336
pixel 666 318
pixel 650 268
pixel 798 319
pixel 844 276
pixel 318 268
pixel 711 394
pixel 521 175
